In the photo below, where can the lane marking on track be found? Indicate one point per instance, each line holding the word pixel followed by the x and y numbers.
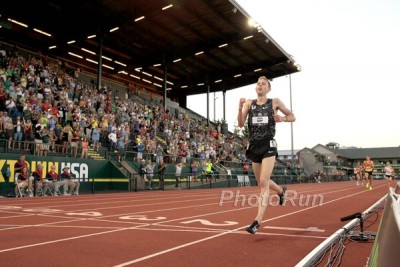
pixel 142 218
pixel 17 216
pixel 60 240
pixel 67 226
pixel 207 222
pixel 309 229
pixel 288 235
pixel 204 230
pixel 41 224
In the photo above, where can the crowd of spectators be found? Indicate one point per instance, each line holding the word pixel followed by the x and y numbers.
pixel 44 107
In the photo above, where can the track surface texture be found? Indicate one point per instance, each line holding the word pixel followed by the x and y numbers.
pixel 181 228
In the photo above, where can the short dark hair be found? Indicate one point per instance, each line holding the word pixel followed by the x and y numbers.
pixel 265 78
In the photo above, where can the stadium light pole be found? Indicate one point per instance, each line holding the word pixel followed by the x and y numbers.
pixel 291 123
pixel 215 102
pixel 100 60
pixel 165 86
pixel 223 104
pixel 208 104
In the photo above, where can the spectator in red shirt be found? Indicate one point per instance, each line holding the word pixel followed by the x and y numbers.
pixel 246 168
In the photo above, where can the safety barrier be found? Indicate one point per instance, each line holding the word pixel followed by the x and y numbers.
pixel 385 251
pixel 314 257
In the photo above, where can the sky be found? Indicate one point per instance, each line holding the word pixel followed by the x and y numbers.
pixel 348 89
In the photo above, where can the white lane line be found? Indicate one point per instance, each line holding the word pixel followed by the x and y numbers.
pixel 17 216
pixel 288 235
pixel 171 249
pixel 308 229
pixel 207 222
pixel 137 197
pixel 66 226
pixel 41 224
pixel 205 230
pixel 61 240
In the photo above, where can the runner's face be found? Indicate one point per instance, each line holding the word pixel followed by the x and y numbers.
pixel 262 87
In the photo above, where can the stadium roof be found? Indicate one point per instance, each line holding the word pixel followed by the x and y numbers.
pixel 199 42
pixel 374 153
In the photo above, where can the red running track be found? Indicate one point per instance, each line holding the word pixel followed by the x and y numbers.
pixel 178 228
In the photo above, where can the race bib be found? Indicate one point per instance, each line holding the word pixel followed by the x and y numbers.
pixel 260 120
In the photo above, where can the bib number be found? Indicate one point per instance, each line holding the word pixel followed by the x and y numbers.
pixel 260 120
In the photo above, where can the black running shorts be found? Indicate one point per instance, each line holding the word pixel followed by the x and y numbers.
pixel 257 152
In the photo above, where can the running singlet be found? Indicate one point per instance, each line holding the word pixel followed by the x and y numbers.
pixel 388 170
pixel 357 170
pixel 261 122
pixel 368 166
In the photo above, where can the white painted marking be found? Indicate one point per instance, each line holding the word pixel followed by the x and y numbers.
pixel 141 218
pixel 88 213
pixel 41 210
pixel 170 249
pixel 9 207
pixel 207 222
pixel 60 240
pixel 308 229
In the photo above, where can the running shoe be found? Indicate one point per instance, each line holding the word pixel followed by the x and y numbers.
pixel 252 229
pixel 370 187
pixel 367 185
pixel 282 195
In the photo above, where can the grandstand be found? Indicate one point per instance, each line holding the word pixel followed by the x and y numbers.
pixel 55 89
pixel 188 47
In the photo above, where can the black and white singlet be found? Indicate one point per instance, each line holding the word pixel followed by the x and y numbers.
pixel 261 122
